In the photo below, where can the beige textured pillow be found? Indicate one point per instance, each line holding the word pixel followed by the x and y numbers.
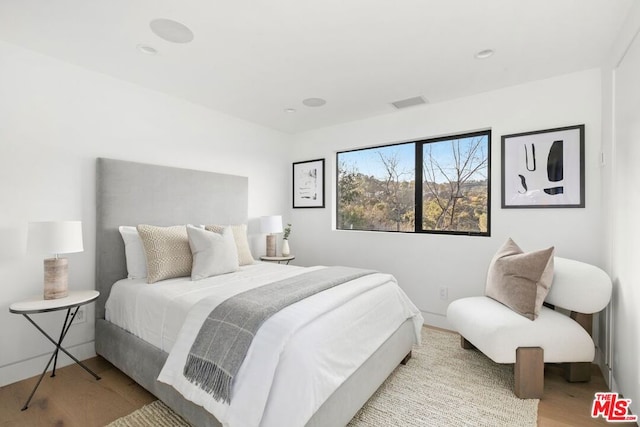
pixel 240 236
pixel 519 280
pixel 167 251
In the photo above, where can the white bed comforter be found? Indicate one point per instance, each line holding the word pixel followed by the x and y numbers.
pixel 299 356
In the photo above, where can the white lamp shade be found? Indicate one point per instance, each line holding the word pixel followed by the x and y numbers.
pixel 271 224
pixel 55 237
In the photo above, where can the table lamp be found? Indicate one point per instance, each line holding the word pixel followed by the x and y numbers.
pixel 270 225
pixel 55 237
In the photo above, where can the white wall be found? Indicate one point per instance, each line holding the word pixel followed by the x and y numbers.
pixel 55 119
pixel 621 126
pixel 422 263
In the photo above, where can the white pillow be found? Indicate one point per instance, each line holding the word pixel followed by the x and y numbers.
pixel 213 253
pixel 134 253
pixel 242 243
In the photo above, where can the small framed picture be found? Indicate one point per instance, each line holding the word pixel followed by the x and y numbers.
pixel 308 184
pixel 544 169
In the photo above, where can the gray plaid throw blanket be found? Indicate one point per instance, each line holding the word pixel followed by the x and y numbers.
pixel 226 334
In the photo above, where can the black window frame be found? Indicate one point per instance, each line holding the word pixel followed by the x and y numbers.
pixel 418 197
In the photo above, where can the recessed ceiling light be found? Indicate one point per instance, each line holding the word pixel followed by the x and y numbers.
pixel 289 110
pixel 145 48
pixel 171 31
pixel 314 102
pixel 483 54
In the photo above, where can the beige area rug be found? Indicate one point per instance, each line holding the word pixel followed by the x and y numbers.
pixel 442 385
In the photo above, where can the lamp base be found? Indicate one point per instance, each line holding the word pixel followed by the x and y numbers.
pixel 56 278
pixel 271 245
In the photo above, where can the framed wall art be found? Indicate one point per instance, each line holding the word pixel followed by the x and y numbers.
pixel 308 184
pixel 544 169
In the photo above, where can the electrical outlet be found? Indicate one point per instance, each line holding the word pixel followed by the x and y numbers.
pixel 444 293
pixel 80 317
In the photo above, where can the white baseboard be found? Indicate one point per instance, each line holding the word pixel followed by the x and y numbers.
pixel 614 385
pixel 24 369
pixel 437 320
pixel 606 372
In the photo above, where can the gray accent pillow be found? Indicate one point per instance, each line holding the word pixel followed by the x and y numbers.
pixel 519 280
pixel 242 243
pixel 167 251
pixel 213 253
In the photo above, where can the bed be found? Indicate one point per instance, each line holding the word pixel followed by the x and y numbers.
pixel 133 193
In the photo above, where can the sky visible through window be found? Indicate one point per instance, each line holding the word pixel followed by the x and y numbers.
pixel 443 153
pixel 368 161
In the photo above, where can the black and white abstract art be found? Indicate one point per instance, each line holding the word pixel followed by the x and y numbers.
pixel 544 169
pixel 308 184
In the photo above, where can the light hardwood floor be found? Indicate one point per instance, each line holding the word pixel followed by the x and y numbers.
pixel 74 399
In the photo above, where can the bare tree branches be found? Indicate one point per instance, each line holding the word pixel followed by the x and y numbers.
pixel 445 178
pixel 393 187
pixel 454 186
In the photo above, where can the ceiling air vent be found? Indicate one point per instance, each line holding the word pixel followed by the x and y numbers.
pixel 409 102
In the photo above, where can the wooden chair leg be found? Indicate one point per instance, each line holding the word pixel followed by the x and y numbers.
pixel 406 359
pixel 466 344
pixel 584 320
pixel 577 372
pixel 529 372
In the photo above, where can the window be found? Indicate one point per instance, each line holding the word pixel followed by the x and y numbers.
pixel 439 185
pixel 376 188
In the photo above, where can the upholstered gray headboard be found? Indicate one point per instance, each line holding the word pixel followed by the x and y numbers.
pixel 130 193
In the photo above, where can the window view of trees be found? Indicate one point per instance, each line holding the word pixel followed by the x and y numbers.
pixel 377 187
pixel 455 190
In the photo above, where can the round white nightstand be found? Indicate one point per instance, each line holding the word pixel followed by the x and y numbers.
pixel 39 305
pixel 278 259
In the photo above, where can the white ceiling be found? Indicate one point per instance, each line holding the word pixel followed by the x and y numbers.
pixel 254 59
